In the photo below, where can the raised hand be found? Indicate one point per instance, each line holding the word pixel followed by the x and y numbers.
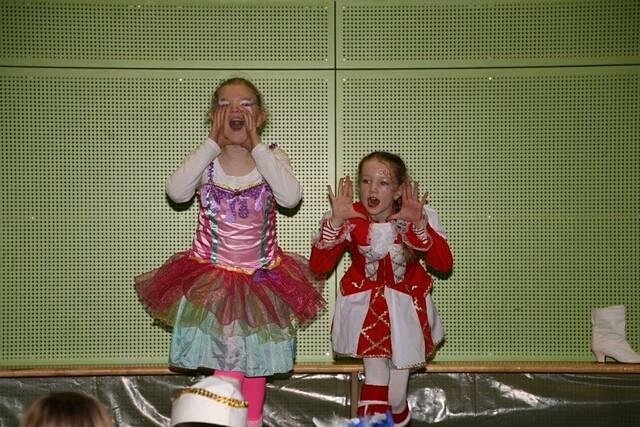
pixel 342 202
pixel 219 117
pixel 251 126
pixel 411 207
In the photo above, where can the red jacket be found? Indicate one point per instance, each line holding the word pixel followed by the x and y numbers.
pixel 415 280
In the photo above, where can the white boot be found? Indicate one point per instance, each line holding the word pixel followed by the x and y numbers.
pixel 608 335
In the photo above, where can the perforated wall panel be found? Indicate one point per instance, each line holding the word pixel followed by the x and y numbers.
pixel 84 157
pixel 486 33
pixel 168 34
pixel 535 175
pixel 534 169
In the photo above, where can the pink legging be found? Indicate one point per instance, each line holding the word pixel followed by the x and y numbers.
pixel 252 389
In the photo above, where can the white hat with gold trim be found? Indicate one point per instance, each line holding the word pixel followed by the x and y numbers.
pixel 214 400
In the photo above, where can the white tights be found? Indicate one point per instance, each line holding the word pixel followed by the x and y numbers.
pixel 379 371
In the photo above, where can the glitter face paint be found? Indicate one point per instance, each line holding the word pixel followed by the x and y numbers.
pixel 236 97
pixel 384 173
pixel 247 103
pixel 378 189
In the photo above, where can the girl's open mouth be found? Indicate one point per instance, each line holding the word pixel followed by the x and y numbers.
pixel 236 124
pixel 372 202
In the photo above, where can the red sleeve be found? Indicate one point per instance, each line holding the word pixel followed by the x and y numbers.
pixel 328 247
pixel 324 261
pixel 417 238
pixel 438 256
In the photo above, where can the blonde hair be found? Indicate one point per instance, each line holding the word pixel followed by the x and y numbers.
pixel 66 409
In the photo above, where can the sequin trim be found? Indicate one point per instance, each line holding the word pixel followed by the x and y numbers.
pixel 380 318
pixel 212 194
pixel 234 403
pixel 273 264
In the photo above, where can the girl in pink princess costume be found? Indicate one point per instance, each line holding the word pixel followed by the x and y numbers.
pixel 384 311
pixel 234 298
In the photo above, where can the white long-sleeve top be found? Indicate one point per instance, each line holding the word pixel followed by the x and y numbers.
pixel 272 164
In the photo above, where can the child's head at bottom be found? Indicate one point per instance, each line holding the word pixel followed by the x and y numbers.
pixel 215 400
pixel 66 409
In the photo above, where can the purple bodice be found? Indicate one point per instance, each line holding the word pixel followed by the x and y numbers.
pixel 236 227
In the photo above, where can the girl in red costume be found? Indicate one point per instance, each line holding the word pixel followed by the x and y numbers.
pixel 384 312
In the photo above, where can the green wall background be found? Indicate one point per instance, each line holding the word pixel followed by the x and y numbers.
pixel 520 117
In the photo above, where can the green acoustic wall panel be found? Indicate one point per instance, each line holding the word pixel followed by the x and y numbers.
pixel 535 175
pixel 534 170
pixel 168 34
pixel 486 33
pixel 84 155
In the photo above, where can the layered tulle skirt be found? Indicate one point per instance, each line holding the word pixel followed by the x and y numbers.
pixel 228 319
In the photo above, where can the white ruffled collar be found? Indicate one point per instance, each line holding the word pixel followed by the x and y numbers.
pixel 381 238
